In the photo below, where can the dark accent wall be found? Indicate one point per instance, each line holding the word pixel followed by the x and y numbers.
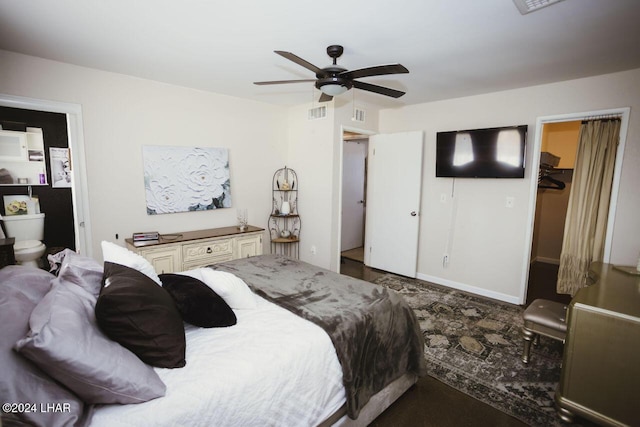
pixel 56 203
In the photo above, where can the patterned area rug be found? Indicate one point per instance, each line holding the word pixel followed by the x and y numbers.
pixel 474 345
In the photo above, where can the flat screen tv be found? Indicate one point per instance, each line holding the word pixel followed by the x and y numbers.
pixel 481 153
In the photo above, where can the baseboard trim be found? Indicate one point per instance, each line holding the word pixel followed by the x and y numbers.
pixel 546 260
pixel 469 288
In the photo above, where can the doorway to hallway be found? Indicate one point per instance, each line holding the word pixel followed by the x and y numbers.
pixel 354 184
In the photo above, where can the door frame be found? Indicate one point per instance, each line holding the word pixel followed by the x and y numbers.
pixel 344 129
pixel 79 193
pixel 623 113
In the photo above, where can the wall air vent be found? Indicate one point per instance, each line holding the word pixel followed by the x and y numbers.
pixel 528 6
pixel 358 115
pixel 317 113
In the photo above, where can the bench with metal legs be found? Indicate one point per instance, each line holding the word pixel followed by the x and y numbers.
pixel 543 317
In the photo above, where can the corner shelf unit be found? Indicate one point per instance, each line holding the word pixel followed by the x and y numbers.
pixel 284 221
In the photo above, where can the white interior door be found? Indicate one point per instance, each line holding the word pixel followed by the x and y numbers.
pixel 353 201
pixel 394 185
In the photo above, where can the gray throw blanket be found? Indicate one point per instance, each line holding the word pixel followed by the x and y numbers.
pixel 375 333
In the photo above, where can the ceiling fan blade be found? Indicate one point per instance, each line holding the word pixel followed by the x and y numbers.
pixel 325 98
pixel 291 57
pixel 378 89
pixel 378 70
pixel 277 82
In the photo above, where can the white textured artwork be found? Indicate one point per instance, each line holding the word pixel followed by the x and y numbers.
pixel 182 179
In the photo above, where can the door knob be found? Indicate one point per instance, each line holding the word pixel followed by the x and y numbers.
pixel 413 213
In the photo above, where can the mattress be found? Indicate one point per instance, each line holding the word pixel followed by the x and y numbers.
pixel 271 368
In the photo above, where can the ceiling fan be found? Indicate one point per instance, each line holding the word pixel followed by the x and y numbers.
pixel 335 80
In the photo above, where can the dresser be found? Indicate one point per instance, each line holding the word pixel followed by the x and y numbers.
pixel 600 378
pixel 193 249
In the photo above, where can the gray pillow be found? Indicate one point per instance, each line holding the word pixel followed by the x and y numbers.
pixel 66 342
pixel 79 270
pixel 21 288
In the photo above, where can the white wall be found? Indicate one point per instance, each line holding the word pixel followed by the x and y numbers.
pixel 122 113
pixel 310 154
pixel 488 242
pixel 315 152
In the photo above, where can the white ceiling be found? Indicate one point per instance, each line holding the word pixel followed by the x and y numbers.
pixel 451 49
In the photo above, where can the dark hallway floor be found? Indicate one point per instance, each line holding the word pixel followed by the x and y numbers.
pixel 542 283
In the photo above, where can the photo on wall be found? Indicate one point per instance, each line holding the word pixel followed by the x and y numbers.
pixel 60 161
pixel 184 179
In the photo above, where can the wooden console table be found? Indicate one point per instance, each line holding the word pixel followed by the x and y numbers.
pixel 600 377
pixel 193 249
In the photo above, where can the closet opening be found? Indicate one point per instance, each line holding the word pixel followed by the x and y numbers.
pixel 557 159
pixel 577 153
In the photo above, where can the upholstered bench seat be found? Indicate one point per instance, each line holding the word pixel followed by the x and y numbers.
pixel 543 317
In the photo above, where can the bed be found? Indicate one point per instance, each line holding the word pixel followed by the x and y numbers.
pixel 309 347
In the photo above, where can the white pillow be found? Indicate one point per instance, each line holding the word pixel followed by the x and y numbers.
pixel 123 256
pixel 233 290
pixel 196 273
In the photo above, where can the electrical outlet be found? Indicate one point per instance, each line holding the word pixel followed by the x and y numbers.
pixel 313 250
pixel 443 198
pixel 445 260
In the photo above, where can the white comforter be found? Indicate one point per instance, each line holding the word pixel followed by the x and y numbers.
pixel 270 369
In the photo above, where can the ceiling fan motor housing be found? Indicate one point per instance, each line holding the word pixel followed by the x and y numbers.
pixel 335 51
pixel 331 76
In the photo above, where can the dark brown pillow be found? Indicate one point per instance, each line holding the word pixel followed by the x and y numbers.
pixel 136 312
pixel 198 304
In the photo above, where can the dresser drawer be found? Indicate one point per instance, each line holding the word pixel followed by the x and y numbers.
pixel 206 262
pixel 207 250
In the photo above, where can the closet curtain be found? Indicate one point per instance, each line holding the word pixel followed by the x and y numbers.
pixel 588 209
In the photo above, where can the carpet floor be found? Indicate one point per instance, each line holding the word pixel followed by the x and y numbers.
pixel 474 344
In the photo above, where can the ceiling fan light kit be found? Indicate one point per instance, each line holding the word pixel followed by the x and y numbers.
pixel 335 80
pixel 333 86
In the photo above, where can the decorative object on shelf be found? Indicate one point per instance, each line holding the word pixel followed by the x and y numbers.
pixel 284 221
pixel 183 179
pixel 243 219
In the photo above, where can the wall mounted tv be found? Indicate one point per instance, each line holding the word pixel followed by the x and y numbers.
pixel 481 153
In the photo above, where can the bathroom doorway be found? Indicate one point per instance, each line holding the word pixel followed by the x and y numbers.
pixel 78 216
pixel 55 203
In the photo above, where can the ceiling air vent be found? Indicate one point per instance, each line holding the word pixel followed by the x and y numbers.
pixel 358 115
pixel 317 113
pixel 528 6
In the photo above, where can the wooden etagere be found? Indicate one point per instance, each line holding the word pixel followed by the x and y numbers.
pixel 284 221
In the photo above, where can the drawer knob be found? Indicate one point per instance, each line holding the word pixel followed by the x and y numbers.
pixel 209 250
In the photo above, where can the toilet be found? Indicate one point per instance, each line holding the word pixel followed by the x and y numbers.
pixel 28 232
